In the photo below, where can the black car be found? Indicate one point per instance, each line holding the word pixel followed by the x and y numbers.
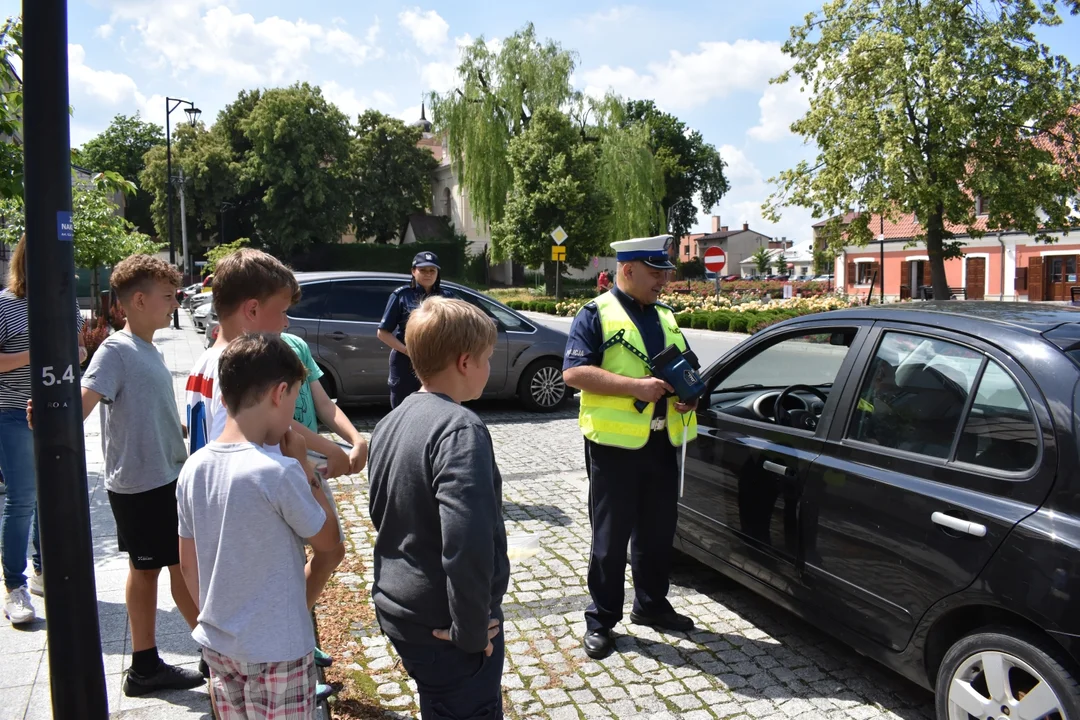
pixel 907 478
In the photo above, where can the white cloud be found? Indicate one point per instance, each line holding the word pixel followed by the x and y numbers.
pixel 439 77
pixel 353 105
pixel 780 106
pixel 100 86
pixel 605 19
pixel 104 31
pixel 738 168
pixel 427 28
pixel 691 80
pixel 208 37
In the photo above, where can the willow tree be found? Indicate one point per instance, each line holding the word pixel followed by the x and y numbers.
pixel 930 107
pixel 500 90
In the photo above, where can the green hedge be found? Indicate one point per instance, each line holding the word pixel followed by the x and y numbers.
pixel 382 258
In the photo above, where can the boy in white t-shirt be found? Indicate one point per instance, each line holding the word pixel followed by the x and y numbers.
pixel 244 514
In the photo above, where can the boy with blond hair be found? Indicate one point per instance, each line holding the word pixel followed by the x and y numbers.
pixel 244 514
pixel 144 451
pixel 436 501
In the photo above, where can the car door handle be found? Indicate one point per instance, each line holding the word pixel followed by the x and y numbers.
pixel 336 335
pixel 777 468
pixel 954 523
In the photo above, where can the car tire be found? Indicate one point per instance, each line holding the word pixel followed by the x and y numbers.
pixel 1032 671
pixel 542 388
pixel 327 382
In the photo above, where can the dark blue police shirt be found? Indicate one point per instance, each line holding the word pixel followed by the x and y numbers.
pixel 398 309
pixel 586 335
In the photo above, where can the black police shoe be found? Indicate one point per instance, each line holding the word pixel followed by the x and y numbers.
pixel 598 644
pixel 166 677
pixel 672 621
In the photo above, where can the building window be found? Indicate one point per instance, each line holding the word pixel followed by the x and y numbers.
pixel 864 273
pixel 981 205
pixel 448 203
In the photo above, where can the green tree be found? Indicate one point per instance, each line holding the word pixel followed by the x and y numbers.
pixel 762 259
pixel 216 253
pixel 392 175
pixel 299 167
pixel 11 101
pixel 628 171
pixel 780 263
pixel 691 167
pixel 920 107
pixel 102 236
pixel 499 94
pixel 554 185
pixel 122 148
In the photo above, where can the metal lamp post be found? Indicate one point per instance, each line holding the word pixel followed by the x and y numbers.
pixel 193 114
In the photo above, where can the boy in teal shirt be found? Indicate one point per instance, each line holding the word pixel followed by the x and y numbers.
pixel 313 405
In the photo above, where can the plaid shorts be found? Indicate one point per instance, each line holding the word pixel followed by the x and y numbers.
pixel 262 691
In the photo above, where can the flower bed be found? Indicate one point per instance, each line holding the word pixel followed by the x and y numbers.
pixel 726 313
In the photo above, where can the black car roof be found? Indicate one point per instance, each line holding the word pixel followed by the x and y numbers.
pixel 961 314
pixel 303 277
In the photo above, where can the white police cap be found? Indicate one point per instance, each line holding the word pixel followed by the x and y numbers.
pixel 653 251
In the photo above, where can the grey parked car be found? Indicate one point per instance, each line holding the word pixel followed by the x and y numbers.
pixel 339 314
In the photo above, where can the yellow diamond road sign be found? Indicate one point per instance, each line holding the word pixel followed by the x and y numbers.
pixel 559 235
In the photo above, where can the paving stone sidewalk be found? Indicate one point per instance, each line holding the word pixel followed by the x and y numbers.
pixel 746 659
pixel 24 660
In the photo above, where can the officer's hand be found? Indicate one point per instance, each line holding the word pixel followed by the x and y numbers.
pixel 651 389
pixel 493 630
pixel 681 407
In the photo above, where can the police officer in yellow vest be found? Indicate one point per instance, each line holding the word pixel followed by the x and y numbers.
pixel 631 455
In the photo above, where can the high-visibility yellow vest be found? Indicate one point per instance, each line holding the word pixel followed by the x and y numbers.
pixel 613 420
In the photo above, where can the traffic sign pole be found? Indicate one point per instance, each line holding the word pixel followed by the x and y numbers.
pixel 76 673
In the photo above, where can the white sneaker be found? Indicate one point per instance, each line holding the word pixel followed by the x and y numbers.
pixel 37 584
pixel 18 608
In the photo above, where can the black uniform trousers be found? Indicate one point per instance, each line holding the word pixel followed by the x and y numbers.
pixel 633 498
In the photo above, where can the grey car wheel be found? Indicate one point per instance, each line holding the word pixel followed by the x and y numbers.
pixel 999 674
pixel 541 388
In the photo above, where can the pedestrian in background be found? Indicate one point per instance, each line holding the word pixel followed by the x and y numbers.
pixel 631 455
pixel 426 282
pixel 19 522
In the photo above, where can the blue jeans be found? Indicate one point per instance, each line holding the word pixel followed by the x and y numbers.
pixel 20 507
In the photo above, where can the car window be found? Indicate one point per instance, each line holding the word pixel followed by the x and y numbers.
pixel 359 300
pixel 506 319
pixel 1000 430
pixel 312 303
pixel 808 359
pixel 914 394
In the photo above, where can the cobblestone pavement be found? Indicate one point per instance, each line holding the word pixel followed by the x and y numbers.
pixel 746 658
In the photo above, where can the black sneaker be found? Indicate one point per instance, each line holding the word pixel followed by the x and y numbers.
pixel 204 669
pixel 166 677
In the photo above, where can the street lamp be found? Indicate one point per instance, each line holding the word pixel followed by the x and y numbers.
pixel 193 114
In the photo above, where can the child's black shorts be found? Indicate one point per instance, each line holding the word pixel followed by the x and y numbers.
pixel 147 526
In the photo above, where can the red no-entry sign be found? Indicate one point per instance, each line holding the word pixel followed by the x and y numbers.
pixel 715 259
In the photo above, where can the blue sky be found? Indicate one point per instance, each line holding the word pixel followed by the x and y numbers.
pixel 708 62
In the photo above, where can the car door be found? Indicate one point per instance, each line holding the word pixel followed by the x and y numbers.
pixel 945 444
pixel 745 473
pixel 348 339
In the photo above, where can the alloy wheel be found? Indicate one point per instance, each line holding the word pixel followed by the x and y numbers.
pixel 994 685
pixel 547 387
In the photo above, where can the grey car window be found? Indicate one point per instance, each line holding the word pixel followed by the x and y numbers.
pixel 360 300
pixel 1000 430
pixel 507 320
pixel 312 303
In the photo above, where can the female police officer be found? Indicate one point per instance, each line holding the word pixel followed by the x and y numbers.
pixel 425 283
pixel 632 461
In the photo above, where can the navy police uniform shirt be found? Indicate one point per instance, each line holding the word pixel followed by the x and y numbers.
pixel 398 308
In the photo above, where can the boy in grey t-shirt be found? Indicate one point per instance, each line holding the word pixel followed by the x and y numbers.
pixel 144 451
pixel 244 512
